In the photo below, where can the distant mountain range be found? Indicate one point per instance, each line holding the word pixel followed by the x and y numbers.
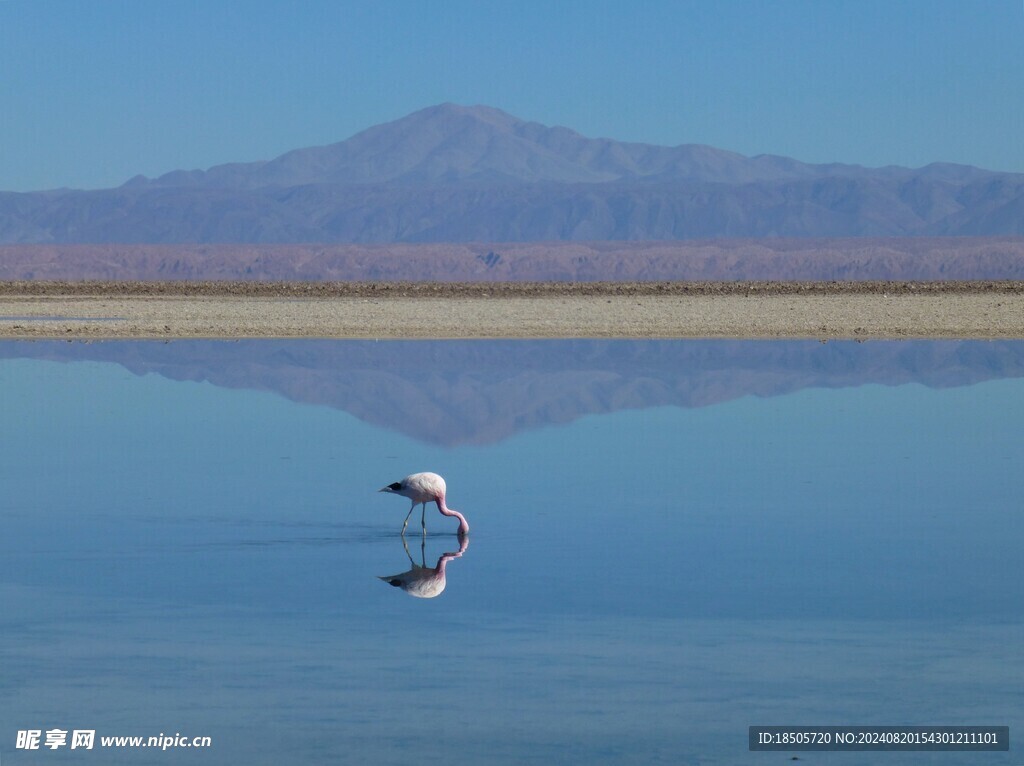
pixel 476 174
pixel 477 392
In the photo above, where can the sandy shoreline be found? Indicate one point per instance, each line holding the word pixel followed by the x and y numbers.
pixel 831 310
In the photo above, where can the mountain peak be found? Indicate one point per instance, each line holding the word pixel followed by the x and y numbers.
pixel 449 110
pixel 443 144
pixel 454 144
pixel 452 172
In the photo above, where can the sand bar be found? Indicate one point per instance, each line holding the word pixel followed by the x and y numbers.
pixel 832 310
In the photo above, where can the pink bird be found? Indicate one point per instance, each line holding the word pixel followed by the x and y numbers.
pixel 423 488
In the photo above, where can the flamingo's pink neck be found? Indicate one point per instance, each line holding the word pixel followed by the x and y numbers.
pixel 444 509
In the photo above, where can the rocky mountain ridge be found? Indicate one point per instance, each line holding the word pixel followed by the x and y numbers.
pixel 476 174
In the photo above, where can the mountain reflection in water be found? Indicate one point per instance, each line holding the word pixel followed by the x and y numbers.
pixel 480 392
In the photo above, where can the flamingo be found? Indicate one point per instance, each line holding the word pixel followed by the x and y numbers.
pixel 422 581
pixel 423 488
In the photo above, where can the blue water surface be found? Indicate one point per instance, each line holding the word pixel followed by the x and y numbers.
pixel 671 541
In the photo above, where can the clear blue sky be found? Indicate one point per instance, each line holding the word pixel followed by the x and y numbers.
pixel 95 91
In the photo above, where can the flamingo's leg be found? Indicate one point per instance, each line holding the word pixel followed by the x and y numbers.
pixel 411 508
pixel 423 519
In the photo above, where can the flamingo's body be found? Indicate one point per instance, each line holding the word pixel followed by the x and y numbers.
pixel 423 488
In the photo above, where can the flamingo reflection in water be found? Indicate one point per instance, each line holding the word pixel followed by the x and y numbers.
pixel 421 581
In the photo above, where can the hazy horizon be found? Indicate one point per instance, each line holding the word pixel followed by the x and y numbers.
pixel 482 107
pixel 101 92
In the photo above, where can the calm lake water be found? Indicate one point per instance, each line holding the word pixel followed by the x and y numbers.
pixel 671 541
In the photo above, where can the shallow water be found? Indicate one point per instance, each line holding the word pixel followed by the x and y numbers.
pixel 670 542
